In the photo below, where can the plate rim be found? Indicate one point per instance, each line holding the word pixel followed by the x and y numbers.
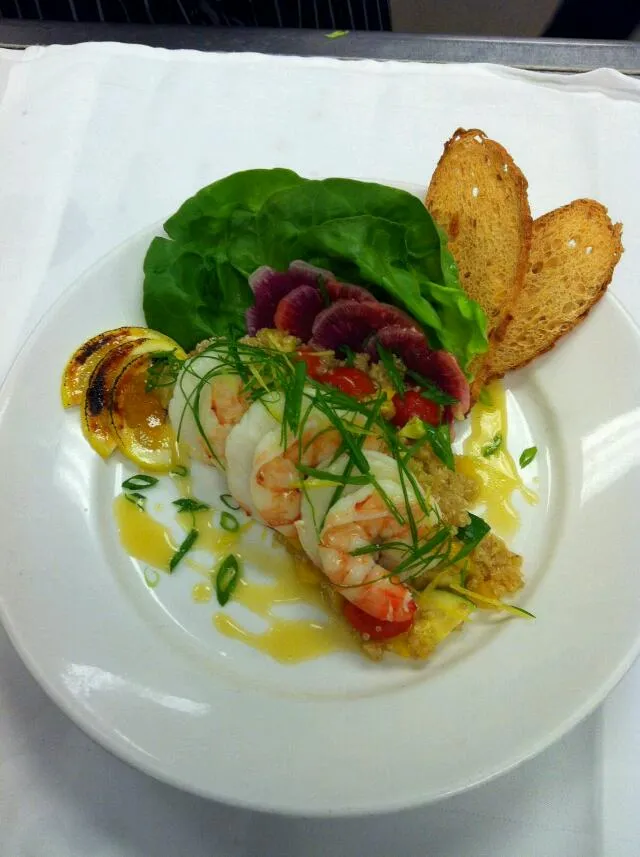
pixel 121 750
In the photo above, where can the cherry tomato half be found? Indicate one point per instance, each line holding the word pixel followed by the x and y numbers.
pixel 414 405
pixel 351 381
pixel 369 626
pixel 315 367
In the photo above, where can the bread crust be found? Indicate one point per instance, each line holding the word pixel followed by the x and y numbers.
pixel 496 166
pixel 589 221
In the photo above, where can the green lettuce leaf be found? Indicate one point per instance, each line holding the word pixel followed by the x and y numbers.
pixel 366 233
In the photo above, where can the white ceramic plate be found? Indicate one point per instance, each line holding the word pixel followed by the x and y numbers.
pixel 149 678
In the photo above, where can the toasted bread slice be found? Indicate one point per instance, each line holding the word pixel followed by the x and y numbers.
pixel 573 253
pixel 479 197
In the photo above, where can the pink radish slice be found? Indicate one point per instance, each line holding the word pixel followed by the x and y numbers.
pixel 349 323
pixel 439 367
pixel 297 311
pixel 269 287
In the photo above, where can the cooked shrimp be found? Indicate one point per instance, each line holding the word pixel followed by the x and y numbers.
pixel 262 417
pixel 357 521
pixel 317 497
pixel 205 406
pixel 275 479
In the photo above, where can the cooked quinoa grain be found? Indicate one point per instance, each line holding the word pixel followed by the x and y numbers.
pixel 495 570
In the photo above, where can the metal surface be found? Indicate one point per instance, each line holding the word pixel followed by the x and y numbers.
pixel 546 54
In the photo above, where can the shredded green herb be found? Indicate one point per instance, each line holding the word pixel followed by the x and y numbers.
pixel 349 356
pixel 395 375
pixel 184 549
pixel 335 478
pixel 136 498
pixel 474 531
pixel 163 371
pixel 471 535
pixel 438 437
pixel 493 446
pixel 430 390
pixel 190 504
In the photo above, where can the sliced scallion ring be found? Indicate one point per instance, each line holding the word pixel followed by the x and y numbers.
pixel 139 482
pixel 226 578
pixel 229 522
pixel 229 502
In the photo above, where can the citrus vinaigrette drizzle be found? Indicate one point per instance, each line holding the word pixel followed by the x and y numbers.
pixel 497 474
pixel 288 580
pixel 284 580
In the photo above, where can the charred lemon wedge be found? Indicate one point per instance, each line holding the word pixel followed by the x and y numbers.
pixel 96 404
pixel 97 399
pixel 139 416
pixel 84 360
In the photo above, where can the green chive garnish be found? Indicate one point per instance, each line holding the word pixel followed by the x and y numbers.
pixel 190 504
pixel 229 522
pixel 528 455
pixel 226 578
pixel 395 376
pixel 493 446
pixel 183 550
pixel 136 498
pixel 229 502
pixel 139 482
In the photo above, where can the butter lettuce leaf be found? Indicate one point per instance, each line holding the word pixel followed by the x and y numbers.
pixel 379 237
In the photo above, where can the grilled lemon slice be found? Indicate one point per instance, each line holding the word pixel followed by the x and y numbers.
pixel 84 360
pixel 97 425
pixel 139 417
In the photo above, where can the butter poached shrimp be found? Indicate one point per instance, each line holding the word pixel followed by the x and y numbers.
pixel 317 343
pixel 321 454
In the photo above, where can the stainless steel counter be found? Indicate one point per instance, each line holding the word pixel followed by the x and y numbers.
pixel 544 54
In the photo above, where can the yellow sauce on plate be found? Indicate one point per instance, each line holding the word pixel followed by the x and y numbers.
pixel 497 474
pixel 283 581
pixel 286 579
pixel 141 536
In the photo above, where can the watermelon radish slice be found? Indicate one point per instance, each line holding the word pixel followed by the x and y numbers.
pixel 349 292
pixel 311 273
pixel 337 291
pixel 268 287
pixel 349 323
pixel 439 367
pixel 297 311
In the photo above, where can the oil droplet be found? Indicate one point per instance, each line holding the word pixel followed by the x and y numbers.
pixel 202 593
pixel 151 577
pixel 497 474
pixel 141 536
pixel 212 538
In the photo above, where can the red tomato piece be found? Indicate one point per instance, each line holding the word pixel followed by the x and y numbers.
pixel 315 367
pixel 351 381
pixel 370 627
pixel 415 405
